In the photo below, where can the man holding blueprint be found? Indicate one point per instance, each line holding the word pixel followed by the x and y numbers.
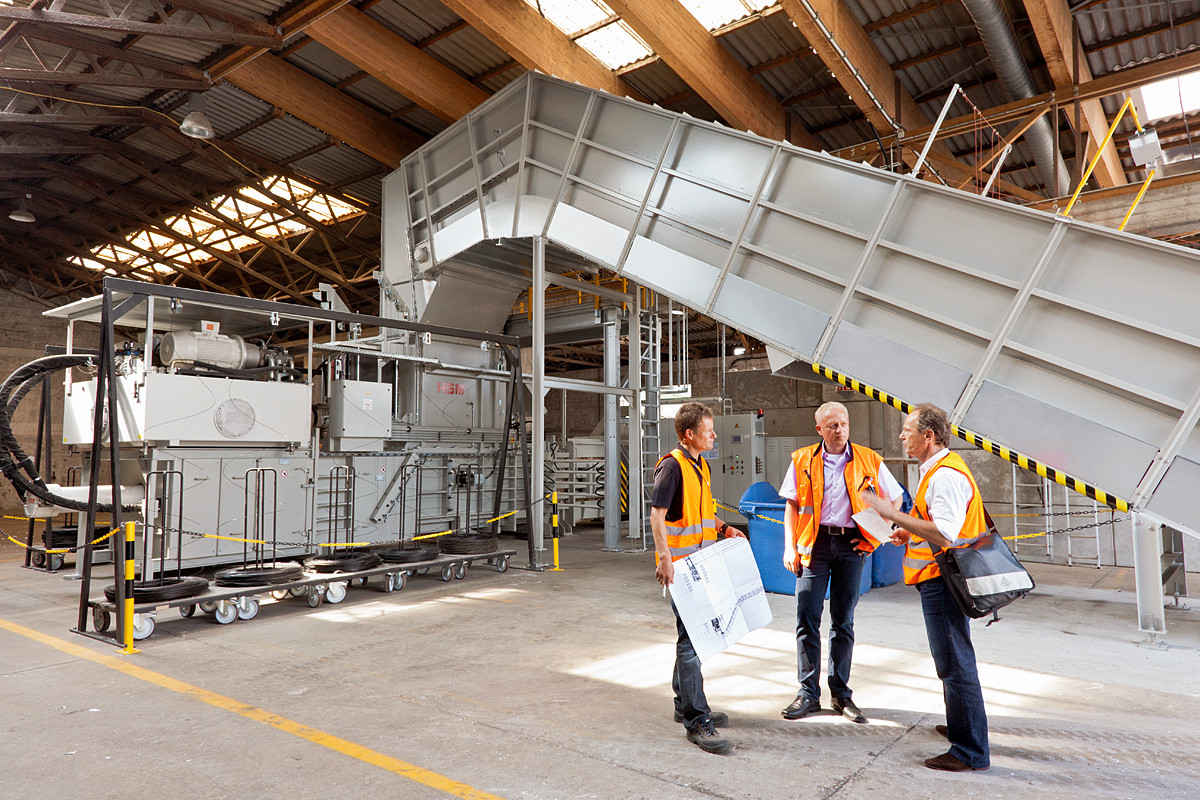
pixel 684 520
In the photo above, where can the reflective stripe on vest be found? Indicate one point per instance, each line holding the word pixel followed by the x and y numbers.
pixel 918 560
pixel 697 527
pixel 861 471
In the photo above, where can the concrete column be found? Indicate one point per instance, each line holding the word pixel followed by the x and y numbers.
pixel 612 448
pixel 537 467
pixel 1147 552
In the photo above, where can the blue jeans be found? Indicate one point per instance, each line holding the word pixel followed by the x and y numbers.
pixel 836 564
pixel 687 681
pixel 949 632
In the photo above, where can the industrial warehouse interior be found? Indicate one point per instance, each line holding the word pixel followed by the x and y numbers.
pixel 345 341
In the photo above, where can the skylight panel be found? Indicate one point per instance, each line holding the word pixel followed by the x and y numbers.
pixel 1172 97
pixel 715 13
pixel 571 16
pixel 615 45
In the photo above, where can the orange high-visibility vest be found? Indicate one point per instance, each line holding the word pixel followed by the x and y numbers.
pixel 697 527
pixel 918 557
pixel 861 472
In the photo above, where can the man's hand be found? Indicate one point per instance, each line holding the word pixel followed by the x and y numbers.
pixel 665 571
pixel 790 562
pixel 900 536
pixel 884 508
pixel 733 533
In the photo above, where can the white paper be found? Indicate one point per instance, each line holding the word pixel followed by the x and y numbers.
pixel 719 595
pixel 870 521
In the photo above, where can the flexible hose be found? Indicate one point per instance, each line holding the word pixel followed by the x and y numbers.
pixel 269 574
pixel 162 590
pixel 468 544
pixel 342 562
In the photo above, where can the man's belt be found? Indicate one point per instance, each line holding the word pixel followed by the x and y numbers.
pixel 834 530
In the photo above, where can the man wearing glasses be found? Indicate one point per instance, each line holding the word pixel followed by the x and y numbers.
pixel 825 548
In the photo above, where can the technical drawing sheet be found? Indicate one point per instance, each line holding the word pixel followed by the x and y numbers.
pixel 719 595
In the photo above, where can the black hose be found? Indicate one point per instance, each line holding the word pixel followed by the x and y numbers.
pixel 468 544
pixel 295 373
pixel 342 562
pixel 407 555
pixel 162 590
pixel 269 574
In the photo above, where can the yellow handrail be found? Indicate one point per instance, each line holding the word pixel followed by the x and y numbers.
pixel 1138 199
pixel 1128 106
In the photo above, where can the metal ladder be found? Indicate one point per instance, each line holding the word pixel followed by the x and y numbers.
pixel 1093 534
pixel 650 368
pixel 1023 505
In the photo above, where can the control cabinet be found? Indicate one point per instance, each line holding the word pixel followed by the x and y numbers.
pixel 737 460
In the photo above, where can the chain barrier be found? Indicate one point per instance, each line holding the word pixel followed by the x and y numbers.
pixel 57 550
pixel 1006 538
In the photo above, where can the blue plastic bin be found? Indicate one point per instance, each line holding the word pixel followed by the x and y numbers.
pixel 766 540
pixel 766 536
pixel 887 565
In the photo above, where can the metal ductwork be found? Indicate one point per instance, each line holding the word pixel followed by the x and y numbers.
pixel 1000 41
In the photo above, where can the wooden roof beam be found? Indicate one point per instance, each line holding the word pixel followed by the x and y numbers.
pixel 1055 32
pixel 389 57
pixel 710 69
pixel 517 29
pixel 309 98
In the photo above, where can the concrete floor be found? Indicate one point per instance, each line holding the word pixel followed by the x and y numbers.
pixel 557 685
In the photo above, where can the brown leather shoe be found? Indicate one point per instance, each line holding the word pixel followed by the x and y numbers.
pixel 942 730
pixel 949 763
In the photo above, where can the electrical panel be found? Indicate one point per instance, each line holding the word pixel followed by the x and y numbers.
pixel 737 460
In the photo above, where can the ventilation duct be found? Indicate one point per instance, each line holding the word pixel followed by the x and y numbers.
pixel 1000 41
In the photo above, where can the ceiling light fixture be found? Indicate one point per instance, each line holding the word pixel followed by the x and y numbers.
pixel 196 124
pixel 738 350
pixel 22 214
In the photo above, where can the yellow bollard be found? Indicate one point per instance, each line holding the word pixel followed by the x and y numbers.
pixel 127 632
pixel 554 527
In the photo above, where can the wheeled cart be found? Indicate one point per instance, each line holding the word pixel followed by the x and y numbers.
pixel 229 603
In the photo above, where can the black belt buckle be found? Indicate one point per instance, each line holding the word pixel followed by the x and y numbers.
pixel 834 530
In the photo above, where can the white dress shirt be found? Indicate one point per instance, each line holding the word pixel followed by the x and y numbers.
pixel 835 499
pixel 947 497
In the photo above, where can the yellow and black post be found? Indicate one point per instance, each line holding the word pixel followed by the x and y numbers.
pixel 127 616
pixel 554 527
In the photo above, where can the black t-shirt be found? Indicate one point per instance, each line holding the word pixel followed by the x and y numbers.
pixel 668 486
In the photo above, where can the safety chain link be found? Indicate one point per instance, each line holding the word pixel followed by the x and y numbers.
pixel 57 550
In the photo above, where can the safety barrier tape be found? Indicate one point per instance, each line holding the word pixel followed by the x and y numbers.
pixel 1020 459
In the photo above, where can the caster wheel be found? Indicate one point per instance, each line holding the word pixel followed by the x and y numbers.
pixel 143 626
pixel 226 612
pixel 501 563
pixel 423 571
pixel 281 594
pixel 208 606
pixel 55 562
pixel 187 611
pixel 447 572
pixel 460 571
pixel 247 607
pixel 387 584
pixel 298 591
pixel 37 558
pixel 335 592
pixel 399 580
pixel 314 597
pixel 101 619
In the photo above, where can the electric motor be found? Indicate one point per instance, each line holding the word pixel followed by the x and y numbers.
pixel 187 347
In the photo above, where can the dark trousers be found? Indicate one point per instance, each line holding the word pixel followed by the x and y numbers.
pixel 837 565
pixel 949 632
pixel 687 681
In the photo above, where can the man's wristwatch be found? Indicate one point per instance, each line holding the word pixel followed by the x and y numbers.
pixel 721 530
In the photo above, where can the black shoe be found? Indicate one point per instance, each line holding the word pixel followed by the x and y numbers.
pixel 704 736
pixel 845 706
pixel 948 763
pixel 719 719
pixel 802 706
pixel 942 730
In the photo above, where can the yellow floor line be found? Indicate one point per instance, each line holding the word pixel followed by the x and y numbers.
pixel 404 769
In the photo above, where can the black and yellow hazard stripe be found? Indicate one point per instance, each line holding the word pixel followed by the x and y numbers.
pixel 1020 459
pixel 127 609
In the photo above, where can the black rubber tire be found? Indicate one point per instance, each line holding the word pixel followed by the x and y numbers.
pixel 407 555
pixel 38 558
pixel 342 562
pixel 161 590
pixel 468 544
pixel 265 575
